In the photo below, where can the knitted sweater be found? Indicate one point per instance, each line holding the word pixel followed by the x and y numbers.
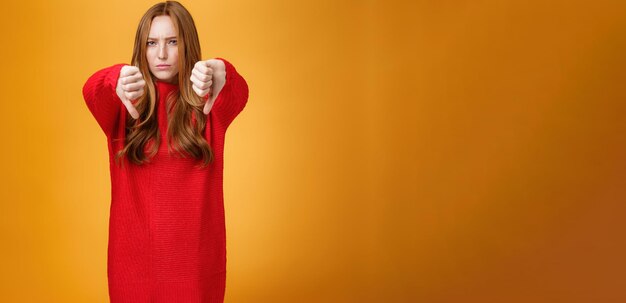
pixel 167 236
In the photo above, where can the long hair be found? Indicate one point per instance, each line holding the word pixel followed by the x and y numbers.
pixel 184 136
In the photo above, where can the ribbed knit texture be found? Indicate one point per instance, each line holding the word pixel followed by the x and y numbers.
pixel 167 235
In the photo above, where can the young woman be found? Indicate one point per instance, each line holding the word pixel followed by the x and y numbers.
pixel 165 117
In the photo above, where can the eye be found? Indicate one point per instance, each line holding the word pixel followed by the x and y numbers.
pixel 173 41
pixel 150 42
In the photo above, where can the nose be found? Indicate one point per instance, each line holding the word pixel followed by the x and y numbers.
pixel 162 52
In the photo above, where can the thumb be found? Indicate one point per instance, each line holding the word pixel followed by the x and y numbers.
pixel 131 108
pixel 208 104
pixel 127 102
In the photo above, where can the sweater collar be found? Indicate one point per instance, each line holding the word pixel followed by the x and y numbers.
pixel 165 86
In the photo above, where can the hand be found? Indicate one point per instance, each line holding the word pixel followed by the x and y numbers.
pixel 130 86
pixel 208 77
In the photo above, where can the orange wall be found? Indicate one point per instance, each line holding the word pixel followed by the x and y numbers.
pixel 390 151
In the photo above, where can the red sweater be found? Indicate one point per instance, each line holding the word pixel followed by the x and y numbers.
pixel 167 235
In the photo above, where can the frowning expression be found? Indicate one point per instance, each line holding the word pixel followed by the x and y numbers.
pixel 162 49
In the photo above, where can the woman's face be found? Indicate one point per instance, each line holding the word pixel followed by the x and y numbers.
pixel 162 49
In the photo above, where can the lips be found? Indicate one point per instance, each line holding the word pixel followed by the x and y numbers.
pixel 163 65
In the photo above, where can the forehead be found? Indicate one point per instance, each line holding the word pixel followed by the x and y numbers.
pixel 161 27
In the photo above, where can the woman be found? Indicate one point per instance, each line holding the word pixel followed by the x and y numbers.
pixel 165 117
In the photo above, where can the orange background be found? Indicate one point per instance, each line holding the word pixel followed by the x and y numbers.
pixel 390 151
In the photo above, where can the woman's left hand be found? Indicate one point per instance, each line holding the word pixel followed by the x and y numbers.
pixel 208 77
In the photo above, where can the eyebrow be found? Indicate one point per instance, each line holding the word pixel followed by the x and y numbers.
pixel 151 38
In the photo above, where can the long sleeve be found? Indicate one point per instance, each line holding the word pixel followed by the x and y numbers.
pixel 101 99
pixel 232 98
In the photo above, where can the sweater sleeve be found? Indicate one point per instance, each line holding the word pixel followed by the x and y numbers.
pixel 101 99
pixel 232 98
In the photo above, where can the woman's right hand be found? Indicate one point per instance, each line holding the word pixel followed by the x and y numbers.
pixel 130 86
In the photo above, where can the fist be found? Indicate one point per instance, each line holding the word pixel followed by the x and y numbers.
pixel 130 86
pixel 208 77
